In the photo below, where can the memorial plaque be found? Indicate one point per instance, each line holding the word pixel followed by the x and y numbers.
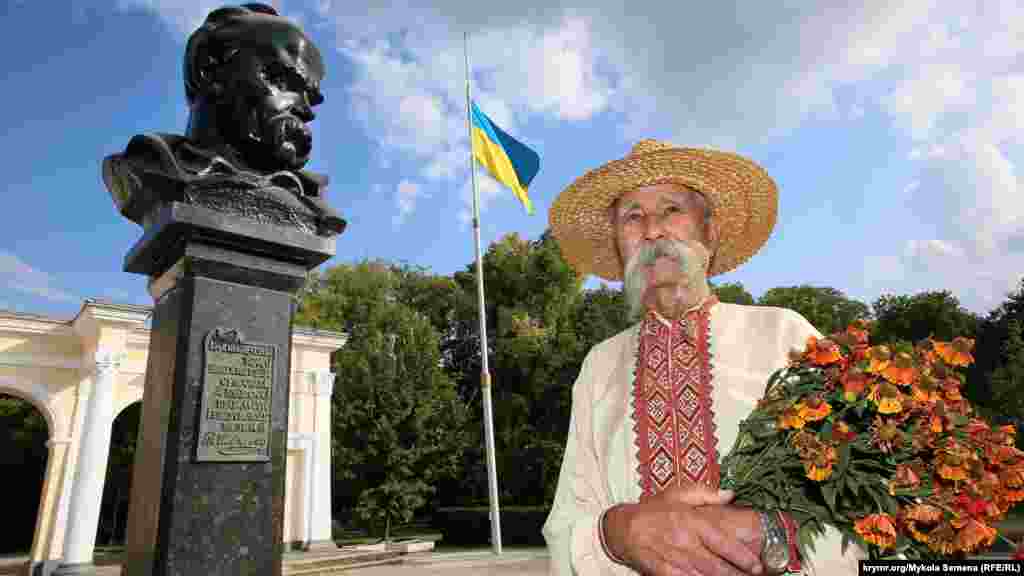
pixel 238 377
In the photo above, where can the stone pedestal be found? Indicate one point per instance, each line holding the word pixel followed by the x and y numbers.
pixel 209 475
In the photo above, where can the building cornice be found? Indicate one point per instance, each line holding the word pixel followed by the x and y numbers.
pixel 318 339
pixel 106 311
pixel 20 323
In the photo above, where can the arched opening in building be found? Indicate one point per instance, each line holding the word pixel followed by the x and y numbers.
pixel 23 453
pixel 117 486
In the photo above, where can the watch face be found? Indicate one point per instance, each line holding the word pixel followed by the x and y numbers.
pixel 776 556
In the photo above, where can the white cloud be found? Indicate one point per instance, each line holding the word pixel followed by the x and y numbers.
pixel 920 101
pixel 728 74
pixel 971 193
pixel 980 284
pixel 182 16
pixel 18 275
pixel 489 189
pixel 407 194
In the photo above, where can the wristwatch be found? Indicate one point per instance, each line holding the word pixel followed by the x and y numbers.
pixel 774 546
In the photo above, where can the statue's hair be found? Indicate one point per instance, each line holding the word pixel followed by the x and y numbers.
pixel 214 43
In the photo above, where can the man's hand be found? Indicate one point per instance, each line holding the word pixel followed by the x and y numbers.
pixel 683 531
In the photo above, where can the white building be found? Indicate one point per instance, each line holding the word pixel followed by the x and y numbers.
pixel 96 364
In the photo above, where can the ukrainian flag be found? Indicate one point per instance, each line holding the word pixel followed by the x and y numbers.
pixel 507 159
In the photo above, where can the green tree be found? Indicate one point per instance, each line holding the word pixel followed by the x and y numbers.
pixel 23 435
pixel 936 314
pixel 532 305
pixel 398 424
pixel 1007 380
pixel 732 293
pixel 990 350
pixel 827 309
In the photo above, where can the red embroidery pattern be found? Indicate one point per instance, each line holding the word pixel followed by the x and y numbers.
pixel 672 414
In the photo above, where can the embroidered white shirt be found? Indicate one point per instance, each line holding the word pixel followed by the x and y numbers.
pixel 599 468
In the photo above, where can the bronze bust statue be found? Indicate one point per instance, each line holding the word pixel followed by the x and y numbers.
pixel 252 79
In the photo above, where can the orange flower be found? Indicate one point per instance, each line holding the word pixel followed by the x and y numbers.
pixel 822 352
pixel 942 540
pixel 877 529
pixel 813 409
pixel 956 353
pixel 858 330
pixel 1012 477
pixel 854 381
pixel 886 435
pixel 879 357
pixel 887 397
pixel 923 513
pixel 842 432
pixel 974 534
pixel 900 370
pixel 953 461
pixel 918 516
pixel 988 485
pixel 925 352
pixel 977 429
pixel 820 468
pixel 906 477
pixel 791 418
pixel 951 390
pixel 925 389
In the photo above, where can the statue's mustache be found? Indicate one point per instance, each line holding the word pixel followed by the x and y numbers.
pixel 288 132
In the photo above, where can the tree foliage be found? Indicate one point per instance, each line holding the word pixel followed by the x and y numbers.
pixel 397 420
pixel 732 293
pixel 23 453
pixel 993 380
pixel 936 314
pixel 826 308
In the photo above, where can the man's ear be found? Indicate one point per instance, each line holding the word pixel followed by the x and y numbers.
pixel 713 236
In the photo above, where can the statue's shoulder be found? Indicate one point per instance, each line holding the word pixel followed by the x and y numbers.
pixel 154 152
pixel 313 183
pixel 147 167
pixel 150 148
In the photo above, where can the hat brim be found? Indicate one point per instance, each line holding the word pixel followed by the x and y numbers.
pixel 744 201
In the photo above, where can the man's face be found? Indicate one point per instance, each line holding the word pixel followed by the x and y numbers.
pixel 273 85
pixel 661 235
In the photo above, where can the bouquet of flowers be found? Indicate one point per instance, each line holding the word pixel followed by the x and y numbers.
pixel 877 442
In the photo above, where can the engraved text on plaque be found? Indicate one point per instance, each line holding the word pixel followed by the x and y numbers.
pixel 238 377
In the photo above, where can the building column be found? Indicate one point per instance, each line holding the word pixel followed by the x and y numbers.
pixel 321 506
pixel 91 468
pixel 60 523
pixel 49 501
pixel 299 534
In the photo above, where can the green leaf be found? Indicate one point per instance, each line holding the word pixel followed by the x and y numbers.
pixel 828 490
pixel 844 459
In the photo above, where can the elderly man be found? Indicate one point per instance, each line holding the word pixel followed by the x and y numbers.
pixel 653 406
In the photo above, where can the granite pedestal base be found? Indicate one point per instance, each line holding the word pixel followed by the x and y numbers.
pixel 192 513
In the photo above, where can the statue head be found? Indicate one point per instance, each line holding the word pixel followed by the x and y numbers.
pixel 252 79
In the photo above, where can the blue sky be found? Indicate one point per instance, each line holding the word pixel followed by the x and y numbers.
pixel 894 133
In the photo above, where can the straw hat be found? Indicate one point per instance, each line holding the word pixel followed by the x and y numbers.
pixel 744 200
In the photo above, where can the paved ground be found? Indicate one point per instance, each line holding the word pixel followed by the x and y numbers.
pixel 528 562
pixel 520 561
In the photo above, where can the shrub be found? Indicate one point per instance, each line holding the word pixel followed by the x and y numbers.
pixel 471 526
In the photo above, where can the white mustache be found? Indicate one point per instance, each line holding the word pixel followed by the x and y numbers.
pixel 686 256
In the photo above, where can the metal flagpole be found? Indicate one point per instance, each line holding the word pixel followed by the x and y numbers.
pixel 485 373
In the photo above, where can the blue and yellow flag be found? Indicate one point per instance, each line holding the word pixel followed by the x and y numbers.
pixel 510 161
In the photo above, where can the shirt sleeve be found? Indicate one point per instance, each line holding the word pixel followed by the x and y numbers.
pixel 827 558
pixel 571 529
